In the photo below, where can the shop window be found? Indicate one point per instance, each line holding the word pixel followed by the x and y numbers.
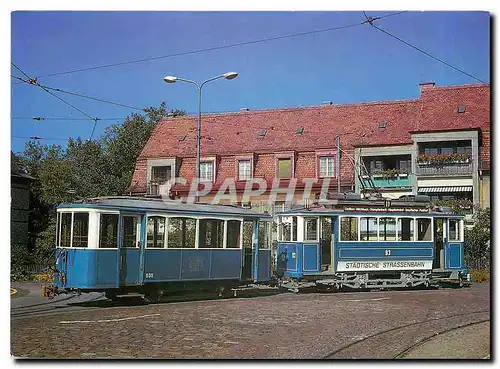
pixel 181 233
pixel 108 230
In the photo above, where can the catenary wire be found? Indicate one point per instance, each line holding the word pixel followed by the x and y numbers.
pixel 424 52
pixel 76 94
pixel 267 39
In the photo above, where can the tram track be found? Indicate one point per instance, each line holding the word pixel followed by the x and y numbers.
pixel 47 308
pixel 349 350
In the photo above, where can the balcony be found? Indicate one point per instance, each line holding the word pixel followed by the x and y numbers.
pixel 158 188
pixel 444 165
pixel 388 179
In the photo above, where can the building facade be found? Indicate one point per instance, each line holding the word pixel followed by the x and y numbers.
pixel 20 183
pixel 437 144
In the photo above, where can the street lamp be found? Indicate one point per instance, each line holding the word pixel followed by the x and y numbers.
pixel 173 79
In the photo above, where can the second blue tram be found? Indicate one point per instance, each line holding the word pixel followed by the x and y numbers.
pixel 120 245
pixel 365 244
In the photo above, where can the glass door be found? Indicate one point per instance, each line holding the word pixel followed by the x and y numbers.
pixel 130 245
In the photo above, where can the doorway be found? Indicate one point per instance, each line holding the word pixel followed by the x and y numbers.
pixel 325 243
pixel 130 245
pixel 246 267
pixel 438 262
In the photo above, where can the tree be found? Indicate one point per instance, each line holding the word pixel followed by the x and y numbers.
pixel 103 167
pixel 477 238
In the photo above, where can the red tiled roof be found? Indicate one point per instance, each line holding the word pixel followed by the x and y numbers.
pixel 236 132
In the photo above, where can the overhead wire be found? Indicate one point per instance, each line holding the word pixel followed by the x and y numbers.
pixel 197 51
pixel 370 20
pixel 35 82
pixel 76 94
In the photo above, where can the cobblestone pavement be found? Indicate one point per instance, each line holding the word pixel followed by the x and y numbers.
pixel 282 326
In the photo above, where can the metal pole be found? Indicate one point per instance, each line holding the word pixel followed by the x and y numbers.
pixel 338 164
pixel 198 144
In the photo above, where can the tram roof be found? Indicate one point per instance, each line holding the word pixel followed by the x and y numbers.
pixel 169 206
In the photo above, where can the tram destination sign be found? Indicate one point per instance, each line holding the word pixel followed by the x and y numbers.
pixel 355 266
pixel 386 210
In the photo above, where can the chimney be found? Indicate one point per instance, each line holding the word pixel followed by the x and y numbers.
pixel 244 109
pixel 426 86
pixel 327 102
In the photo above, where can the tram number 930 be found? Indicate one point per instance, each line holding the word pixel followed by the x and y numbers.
pixel 387 252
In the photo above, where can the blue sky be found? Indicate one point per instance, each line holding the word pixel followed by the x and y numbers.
pixel 349 65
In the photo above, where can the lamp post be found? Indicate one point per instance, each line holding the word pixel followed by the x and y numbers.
pixel 173 79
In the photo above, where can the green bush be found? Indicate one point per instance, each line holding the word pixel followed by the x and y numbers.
pixel 479 275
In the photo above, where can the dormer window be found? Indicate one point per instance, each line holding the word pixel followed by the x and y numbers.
pixel 244 170
pixel 207 171
pixel 326 166
pixel 284 167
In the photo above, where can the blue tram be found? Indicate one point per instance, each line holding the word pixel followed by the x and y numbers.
pixel 360 244
pixel 120 245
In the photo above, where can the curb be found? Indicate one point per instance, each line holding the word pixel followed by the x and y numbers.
pixel 13 291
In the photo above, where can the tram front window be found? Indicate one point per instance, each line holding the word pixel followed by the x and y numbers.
pixel 80 230
pixel 65 229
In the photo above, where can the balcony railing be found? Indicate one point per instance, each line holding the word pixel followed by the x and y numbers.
pixel 387 179
pixel 449 169
pixel 158 188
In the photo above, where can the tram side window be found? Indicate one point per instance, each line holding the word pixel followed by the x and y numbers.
pixel 156 232
pixel 211 234
pixel 247 235
pixel 455 231
pixel 181 233
pixel 81 230
pixel 233 234
pixel 326 229
pixel 405 229
pixel 264 235
pixel 129 231
pixel 387 229
pixel 368 230
pixel 108 231
pixel 349 229
pixel 311 229
pixel 65 229
pixel 424 229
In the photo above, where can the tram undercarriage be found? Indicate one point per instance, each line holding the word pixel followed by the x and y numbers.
pixel 363 281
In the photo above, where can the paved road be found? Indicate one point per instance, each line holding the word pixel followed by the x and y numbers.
pixel 282 326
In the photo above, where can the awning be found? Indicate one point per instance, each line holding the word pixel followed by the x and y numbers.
pixel 445 189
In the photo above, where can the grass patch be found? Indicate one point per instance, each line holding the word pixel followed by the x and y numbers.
pixel 479 275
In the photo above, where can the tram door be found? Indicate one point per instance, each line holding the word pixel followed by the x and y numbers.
pixel 130 249
pixel 438 262
pixel 326 243
pixel 246 267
